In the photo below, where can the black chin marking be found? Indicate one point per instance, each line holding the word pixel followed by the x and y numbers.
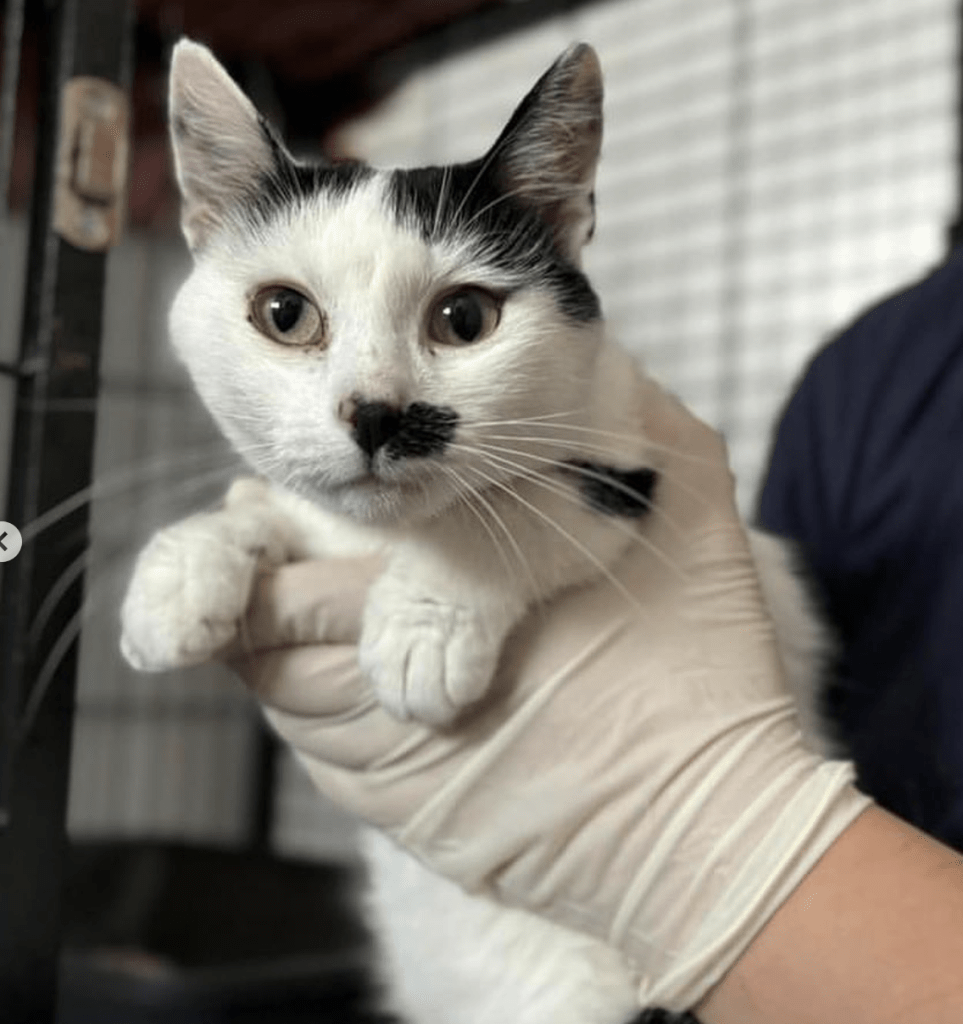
pixel 614 492
pixel 424 430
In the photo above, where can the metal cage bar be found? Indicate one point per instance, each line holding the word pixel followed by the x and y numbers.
pixel 51 459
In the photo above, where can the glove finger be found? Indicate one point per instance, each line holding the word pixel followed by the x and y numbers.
pixel 306 603
pixel 317 700
pixel 697 486
pixel 311 680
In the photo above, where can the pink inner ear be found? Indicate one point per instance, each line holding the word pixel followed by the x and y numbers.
pixel 220 149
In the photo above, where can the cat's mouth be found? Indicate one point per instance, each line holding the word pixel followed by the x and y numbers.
pixel 371 481
pixel 371 494
pixel 377 498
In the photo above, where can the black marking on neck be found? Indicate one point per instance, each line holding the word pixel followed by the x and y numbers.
pixel 614 492
pixel 423 430
pixel 464 203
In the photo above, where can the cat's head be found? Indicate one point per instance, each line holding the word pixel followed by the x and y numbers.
pixel 371 338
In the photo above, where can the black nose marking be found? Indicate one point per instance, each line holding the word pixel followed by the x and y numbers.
pixel 418 431
pixel 374 425
pixel 426 430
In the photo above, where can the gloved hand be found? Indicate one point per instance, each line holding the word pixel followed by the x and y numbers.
pixel 637 772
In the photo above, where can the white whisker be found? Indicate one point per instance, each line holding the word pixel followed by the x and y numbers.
pixel 485 163
pixel 583 471
pixel 443 193
pixel 603 569
pixel 526 419
pixel 605 434
pixel 472 498
pixel 554 487
pixel 73 570
pixel 115 484
pixel 48 670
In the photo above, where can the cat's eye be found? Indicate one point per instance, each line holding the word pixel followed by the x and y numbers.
pixel 463 316
pixel 286 316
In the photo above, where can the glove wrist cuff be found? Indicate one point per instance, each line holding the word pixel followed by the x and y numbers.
pixel 752 868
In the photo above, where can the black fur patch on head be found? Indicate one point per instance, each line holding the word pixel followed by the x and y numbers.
pixel 462 203
pixel 423 430
pixel 291 181
pixel 614 492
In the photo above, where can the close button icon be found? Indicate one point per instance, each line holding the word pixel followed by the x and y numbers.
pixel 10 541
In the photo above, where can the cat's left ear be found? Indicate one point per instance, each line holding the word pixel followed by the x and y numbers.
pixel 223 150
pixel 549 150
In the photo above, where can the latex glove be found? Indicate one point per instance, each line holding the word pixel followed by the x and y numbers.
pixel 638 772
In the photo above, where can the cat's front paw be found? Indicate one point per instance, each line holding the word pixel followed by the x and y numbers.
pixel 426 659
pixel 190 589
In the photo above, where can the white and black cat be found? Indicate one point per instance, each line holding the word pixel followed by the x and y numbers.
pixel 413 361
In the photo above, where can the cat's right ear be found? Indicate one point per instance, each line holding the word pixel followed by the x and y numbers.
pixel 547 154
pixel 222 147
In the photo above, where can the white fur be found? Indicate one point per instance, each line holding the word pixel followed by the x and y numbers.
pixel 448 955
pixel 436 621
pixel 474 536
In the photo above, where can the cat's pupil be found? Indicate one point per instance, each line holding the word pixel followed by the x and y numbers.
pixel 465 315
pixel 286 308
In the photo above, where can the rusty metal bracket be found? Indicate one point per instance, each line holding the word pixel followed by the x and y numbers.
pixel 91 188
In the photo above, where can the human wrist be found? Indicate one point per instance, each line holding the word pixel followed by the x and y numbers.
pixel 871 933
pixel 768 846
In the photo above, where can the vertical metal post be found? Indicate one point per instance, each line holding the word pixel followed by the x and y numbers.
pixel 12 42
pixel 51 459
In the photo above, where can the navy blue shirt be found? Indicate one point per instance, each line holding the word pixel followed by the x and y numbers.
pixel 866 474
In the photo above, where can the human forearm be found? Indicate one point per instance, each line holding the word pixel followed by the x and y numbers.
pixel 874 933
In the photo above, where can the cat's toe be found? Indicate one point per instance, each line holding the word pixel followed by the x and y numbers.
pixel 189 592
pixel 169 642
pixel 427 661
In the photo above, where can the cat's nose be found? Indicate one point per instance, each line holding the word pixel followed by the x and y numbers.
pixel 373 424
